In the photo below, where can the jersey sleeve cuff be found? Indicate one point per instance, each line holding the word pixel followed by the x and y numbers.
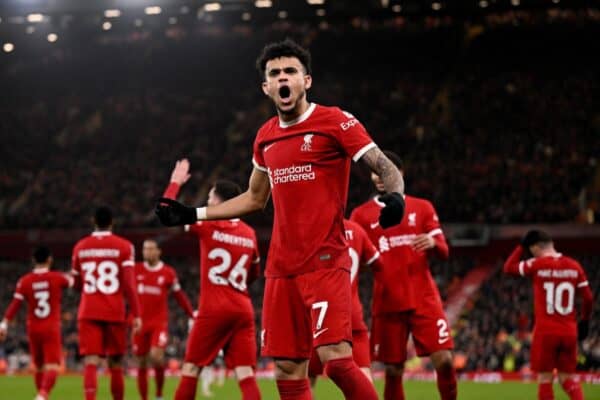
pixel 258 166
pixel 372 259
pixel 19 296
pixel 583 284
pixel 128 263
pixel 435 232
pixel 358 155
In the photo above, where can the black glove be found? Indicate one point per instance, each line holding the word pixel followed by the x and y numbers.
pixel 173 213
pixel 393 211
pixel 583 328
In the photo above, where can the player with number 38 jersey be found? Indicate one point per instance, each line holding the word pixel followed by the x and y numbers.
pixel 103 266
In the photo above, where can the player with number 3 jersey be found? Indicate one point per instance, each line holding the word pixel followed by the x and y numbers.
pixel 229 263
pixel 103 265
pixel 42 290
pixel 557 280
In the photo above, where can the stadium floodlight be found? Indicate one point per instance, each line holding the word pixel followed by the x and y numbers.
pixel 263 3
pixel 515 3
pixel 52 37
pixel 436 6
pixel 8 47
pixel 483 3
pixel 396 8
pixel 246 16
pixel 316 2
pixel 556 1
pixel 153 10
pixel 321 12
pixel 282 14
pixel 211 7
pixel 36 17
pixel 106 26
pixel 112 13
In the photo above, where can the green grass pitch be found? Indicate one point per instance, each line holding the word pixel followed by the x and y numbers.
pixel 70 388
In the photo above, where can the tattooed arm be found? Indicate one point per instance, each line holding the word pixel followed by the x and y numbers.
pixel 387 171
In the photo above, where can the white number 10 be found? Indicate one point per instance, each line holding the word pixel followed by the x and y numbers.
pixel 554 297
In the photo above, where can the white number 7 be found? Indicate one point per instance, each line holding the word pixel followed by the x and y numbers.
pixel 323 306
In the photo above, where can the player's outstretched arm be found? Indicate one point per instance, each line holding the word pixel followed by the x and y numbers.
pixel 393 182
pixel 173 213
pixel 587 304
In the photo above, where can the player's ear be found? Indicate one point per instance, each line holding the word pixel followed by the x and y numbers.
pixel 265 88
pixel 307 82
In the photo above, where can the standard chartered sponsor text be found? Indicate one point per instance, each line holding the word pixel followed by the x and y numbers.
pixel 294 173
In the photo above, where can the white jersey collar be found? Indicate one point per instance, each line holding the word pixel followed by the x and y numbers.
pixel 155 268
pixel 301 118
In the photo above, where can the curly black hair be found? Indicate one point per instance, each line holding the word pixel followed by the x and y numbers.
pixel 286 48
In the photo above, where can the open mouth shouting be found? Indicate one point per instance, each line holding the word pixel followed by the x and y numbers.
pixel 285 95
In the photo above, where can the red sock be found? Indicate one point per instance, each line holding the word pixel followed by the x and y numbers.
pixel 350 379
pixel 39 375
pixel 187 388
pixel 117 383
pixel 294 389
pixel 90 383
pixel 48 381
pixel 249 388
pixel 142 382
pixel 573 389
pixel 545 391
pixel 393 388
pixel 159 377
pixel 446 383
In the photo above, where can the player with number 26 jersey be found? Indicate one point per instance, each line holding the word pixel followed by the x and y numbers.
pixel 229 262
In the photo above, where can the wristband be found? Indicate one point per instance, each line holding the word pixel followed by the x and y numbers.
pixel 201 213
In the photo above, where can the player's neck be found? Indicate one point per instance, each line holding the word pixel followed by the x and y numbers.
pixel 551 252
pixel 298 111
pixel 41 268
pixel 153 265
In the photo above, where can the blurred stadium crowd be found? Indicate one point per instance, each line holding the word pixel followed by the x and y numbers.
pixel 488 138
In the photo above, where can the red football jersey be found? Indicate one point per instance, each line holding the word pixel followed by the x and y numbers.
pixel 362 253
pixel 99 259
pixel 406 272
pixel 42 290
pixel 308 163
pixel 555 283
pixel 153 284
pixel 229 261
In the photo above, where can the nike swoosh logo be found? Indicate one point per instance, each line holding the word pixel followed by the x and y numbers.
pixel 442 341
pixel 267 147
pixel 374 225
pixel 318 333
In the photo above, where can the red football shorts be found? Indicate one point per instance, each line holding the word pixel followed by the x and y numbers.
pixel 102 338
pixel 428 325
pixel 45 346
pixel 550 351
pixel 233 332
pixel 306 311
pixel 360 353
pixel 150 336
